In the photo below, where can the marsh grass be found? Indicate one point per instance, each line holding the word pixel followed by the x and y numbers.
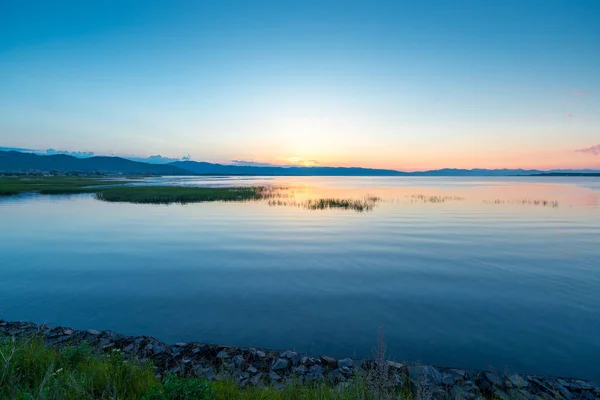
pixel 182 195
pixel 366 203
pixel 422 198
pixel 531 202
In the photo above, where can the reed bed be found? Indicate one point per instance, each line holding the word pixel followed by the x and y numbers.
pixel 366 203
pixel 531 202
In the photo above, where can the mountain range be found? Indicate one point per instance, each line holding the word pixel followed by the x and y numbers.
pixel 19 162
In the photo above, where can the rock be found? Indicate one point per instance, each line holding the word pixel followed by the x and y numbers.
pixel 129 348
pixel 449 380
pixel 432 373
pixel 330 361
pixel 209 373
pixel 335 376
pixel 288 354
pixel 394 365
pixel 238 361
pixel 260 354
pixel 93 332
pixel 346 371
pixel 301 370
pixel 256 379
pixel 180 344
pixel 346 363
pixel 222 355
pixel 493 378
pixel 517 381
pixel 501 395
pixel 316 369
pixel 280 364
pixel 274 376
pixel 314 377
pixel 252 369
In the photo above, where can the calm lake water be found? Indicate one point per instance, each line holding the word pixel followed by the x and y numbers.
pixel 492 280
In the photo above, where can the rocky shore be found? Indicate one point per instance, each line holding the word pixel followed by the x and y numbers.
pixel 258 367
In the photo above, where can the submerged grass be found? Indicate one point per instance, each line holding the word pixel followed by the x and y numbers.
pixel 31 371
pixel 181 195
pixel 433 199
pixel 531 202
pixel 359 205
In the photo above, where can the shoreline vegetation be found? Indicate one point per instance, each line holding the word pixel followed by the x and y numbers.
pixel 126 190
pixel 120 191
pixel 38 362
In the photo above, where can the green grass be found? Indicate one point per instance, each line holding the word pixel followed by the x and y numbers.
pixel 51 185
pixel 182 195
pixel 31 371
pixel 130 194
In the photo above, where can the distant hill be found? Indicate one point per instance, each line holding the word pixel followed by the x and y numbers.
pixel 12 161
pixel 209 168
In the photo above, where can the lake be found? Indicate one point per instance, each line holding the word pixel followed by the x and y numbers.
pixel 500 273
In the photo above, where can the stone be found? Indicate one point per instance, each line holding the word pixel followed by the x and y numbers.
pixel 256 379
pixel 449 380
pixel 180 344
pixel 501 395
pixel 238 361
pixel 345 363
pixel 260 354
pixel 274 376
pixel 129 348
pixel 93 332
pixel 301 370
pixel 252 369
pixel 330 361
pixel 209 373
pixel 518 381
pixel 222 355
pixel 335 376
pixel 314 377
pixel 288 354
pixel 316 369
pixel 346 371
pixel 432 373
pixel 280 364
pixel 493 378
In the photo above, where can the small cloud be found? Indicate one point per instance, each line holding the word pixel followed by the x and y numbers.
pixel 158 159
pixel 245 163
pixel 595 150
pixel 569 115
pixel 579 93
pixel 78 154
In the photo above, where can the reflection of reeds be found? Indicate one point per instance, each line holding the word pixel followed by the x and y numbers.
pixel 359 205
pixel 532 202
pixel 433 199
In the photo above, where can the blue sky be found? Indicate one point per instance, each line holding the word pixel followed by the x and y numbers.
pixel 402 84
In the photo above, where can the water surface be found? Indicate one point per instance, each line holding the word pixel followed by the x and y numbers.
pixel 495 280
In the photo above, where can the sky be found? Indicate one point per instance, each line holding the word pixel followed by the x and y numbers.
pixel 407 85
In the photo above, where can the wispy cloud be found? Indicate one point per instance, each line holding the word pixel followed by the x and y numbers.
pixel 78 154
pixel 247 163
pixel 579 93
pixel 158 159
pixel 301 161
pixel 569 115
pixel 595 150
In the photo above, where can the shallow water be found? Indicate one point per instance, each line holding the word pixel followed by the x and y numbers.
pixel 494 280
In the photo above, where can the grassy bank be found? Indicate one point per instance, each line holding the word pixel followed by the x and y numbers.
pixel 31 371
pixel 51 185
